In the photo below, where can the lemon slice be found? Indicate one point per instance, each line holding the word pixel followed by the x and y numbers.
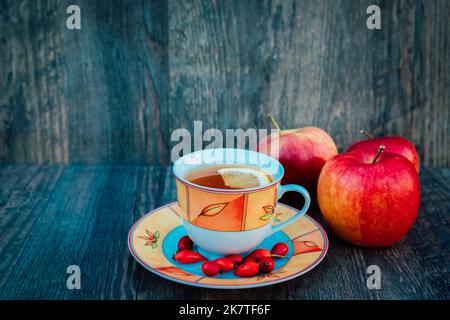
pixel 240 178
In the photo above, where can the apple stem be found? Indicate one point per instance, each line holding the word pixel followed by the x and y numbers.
pixel 380 151
pixel 367 134
pixel 275 124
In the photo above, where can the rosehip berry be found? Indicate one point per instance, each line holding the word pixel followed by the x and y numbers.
pixel 266 264
pixel 210 268
pixel 236 258
pixel 259 253
pixel 185 243
pixel 188 256
pixel 280 249
pixel 250 259
pixel 225 264
pixel 247 269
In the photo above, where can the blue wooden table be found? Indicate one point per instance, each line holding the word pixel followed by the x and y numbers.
pixel 55 216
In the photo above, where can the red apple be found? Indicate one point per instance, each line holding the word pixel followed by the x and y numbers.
pixel 302 152
pixel 369 199
pixel 393 144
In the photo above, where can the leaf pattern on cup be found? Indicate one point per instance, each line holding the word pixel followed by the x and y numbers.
pixel 213 209
pixel 269 210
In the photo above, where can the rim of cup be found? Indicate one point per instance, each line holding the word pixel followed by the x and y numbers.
pixel 210 157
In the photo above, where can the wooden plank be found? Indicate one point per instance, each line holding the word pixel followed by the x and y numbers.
pixel 22 190
pixel 314 63
pixel 93 95
pixel 53 216
pixel 112 92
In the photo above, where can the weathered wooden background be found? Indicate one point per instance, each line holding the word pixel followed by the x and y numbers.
pixel 114 91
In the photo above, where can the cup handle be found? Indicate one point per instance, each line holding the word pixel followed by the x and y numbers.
pixel 300 213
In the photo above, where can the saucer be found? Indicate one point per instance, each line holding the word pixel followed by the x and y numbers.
pixel 154 237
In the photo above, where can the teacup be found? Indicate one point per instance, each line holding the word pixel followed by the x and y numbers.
pixel 229 221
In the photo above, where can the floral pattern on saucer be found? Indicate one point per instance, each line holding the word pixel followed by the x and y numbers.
pixel 153 238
